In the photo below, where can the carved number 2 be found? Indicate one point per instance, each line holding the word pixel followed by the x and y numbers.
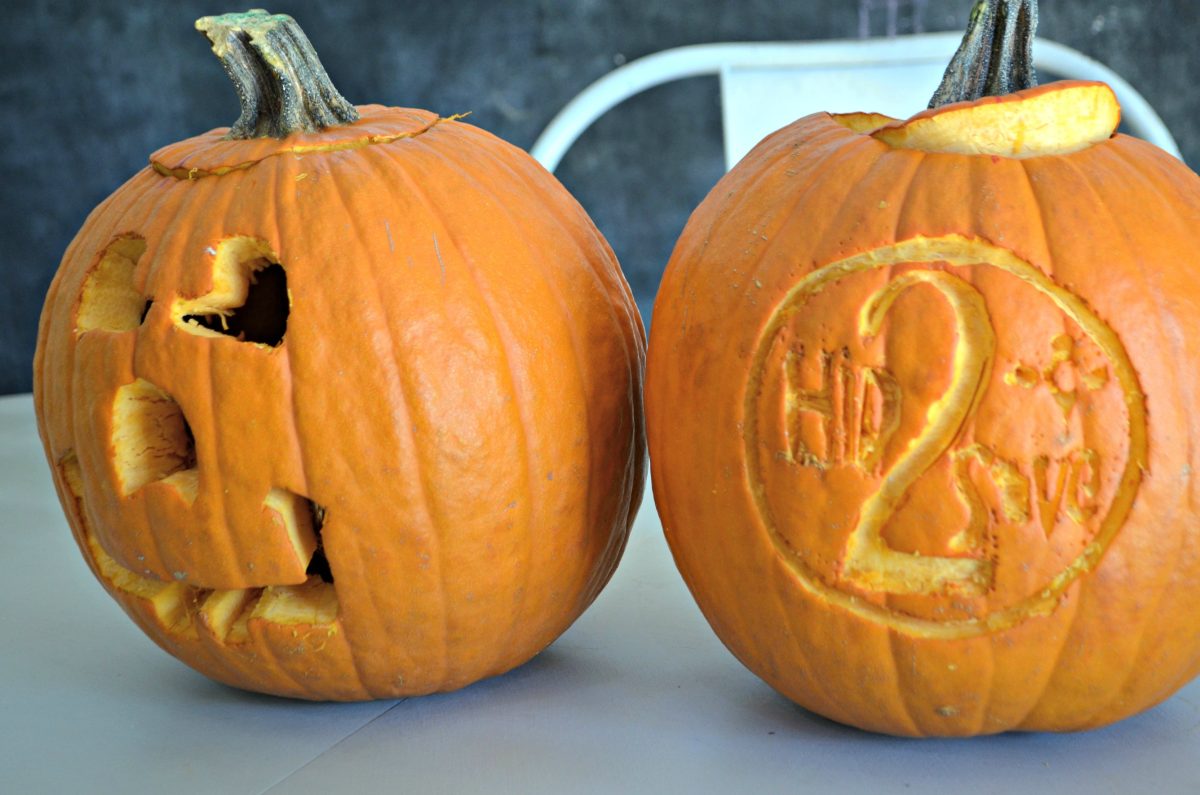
pixel 869 562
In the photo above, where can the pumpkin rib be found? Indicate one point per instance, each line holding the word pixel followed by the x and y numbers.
pixel 748 189
pixel 1064 636
pixel 404 387
pixel 1020 168
pixel 609 278
pixel 435 217
pixel 359 674
pixel 881 163
pixel 277 670
pixel 615 280
pixel 1119 151
pixel 524 420
pixel 528 420
pixel 903 696
pixel 989 692
pixel 169 204
pixel 1160 587
pixel 1081 590
pixel 798 207
pixel 832 704
pixel 223 537
pixel 831 162
pixel 615 549
pixel 501 337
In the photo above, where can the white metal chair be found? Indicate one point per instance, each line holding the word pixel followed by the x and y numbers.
pixel 765 86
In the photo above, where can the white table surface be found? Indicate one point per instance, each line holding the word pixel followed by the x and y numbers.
pixel 638 696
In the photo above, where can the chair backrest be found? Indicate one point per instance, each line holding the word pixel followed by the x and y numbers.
pixel 765 86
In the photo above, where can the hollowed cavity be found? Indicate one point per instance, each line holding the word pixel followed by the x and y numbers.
pixel 151 440
pixel 109 300
pixel 318 566
pixel 299 516
pixel 249 300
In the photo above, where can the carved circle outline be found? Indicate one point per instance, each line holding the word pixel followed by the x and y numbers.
pixel 957 251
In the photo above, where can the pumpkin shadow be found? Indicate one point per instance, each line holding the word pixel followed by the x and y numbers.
pixel 549 670
pixel 767 710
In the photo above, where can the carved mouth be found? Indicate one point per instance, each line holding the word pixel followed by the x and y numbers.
pixel 187 610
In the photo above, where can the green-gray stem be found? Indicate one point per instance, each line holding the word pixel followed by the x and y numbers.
pixel 280 82
pixel 996 54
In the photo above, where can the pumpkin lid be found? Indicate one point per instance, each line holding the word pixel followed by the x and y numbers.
pixel 989 101
pixel 1054 119
pixel 214 153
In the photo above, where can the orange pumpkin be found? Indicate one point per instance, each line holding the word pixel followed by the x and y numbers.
pixel 920 398
pixel 352 412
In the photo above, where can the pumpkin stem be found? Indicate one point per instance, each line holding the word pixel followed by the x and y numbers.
pixel 996 54
pixel 280 81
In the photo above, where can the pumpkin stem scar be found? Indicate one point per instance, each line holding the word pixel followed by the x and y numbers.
pixel 996 54
pixel 282 87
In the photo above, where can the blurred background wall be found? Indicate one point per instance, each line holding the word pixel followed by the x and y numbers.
pixel 89 89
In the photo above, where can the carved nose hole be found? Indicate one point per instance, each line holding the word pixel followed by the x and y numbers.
pixel 262 316
pixel 319 564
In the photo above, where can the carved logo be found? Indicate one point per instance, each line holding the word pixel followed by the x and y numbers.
pixel 986 455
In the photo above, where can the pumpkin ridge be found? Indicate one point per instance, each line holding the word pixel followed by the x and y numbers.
pixel 622 285
pixel 402 386
pixel 1163 521
pixel 192 174
pixel 616 546
pixel 844 203
pixel 903 695
pixel 989 692
pixel 834 705
pixel 436 522
pixel 734 183
pixel 502 336
pixel 1122 153
pixel 615 549
pixel 748 191
pixel 1076 604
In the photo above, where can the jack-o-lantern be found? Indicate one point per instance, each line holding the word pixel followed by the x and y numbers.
pixel 342 403
pixel 920 399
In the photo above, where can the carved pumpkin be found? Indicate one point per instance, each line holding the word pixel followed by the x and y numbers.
pixel 921 402
pixel 348 412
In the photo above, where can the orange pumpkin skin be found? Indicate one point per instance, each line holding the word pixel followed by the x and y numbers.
pixel 825 314
pixel 457 395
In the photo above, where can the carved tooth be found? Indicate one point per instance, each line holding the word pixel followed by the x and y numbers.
pixel 222 609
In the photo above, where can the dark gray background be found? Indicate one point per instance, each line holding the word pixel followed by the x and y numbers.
pixel 88 90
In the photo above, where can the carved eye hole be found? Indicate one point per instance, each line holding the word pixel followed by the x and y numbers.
pixel 152 440
pixel 109 300
pixel 249 300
